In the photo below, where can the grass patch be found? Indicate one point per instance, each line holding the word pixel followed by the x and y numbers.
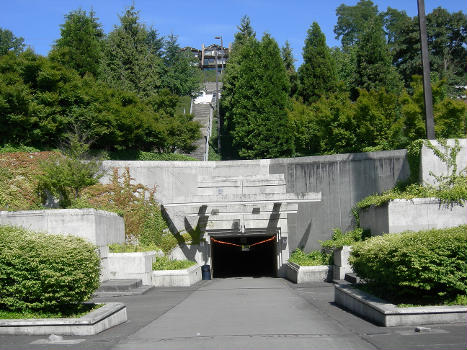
pixel 131 248
pixel 164 263
pixel 313 258
pixel 72 312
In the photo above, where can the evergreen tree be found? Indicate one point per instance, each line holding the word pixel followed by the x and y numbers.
pixel 374 68
pixel 128 61
pixel 256 113
pixel 10 43
pixel 181 75
pixel 245 30
pixel 317 74
pixel 289 60
pixel 80 44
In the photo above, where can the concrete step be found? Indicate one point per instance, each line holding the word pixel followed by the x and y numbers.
pixel 240 190
pixel 253 178
pixel 120 285
pixel 251 199
pixel 116 288
pixel 352 278
pixel 221 209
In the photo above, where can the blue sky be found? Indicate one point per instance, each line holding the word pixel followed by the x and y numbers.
pixel 38 21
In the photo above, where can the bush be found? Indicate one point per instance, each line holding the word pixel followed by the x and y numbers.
pixel 340 239
pixel 414 267
pixel 45 272
pixel 313 258
pixel 164 263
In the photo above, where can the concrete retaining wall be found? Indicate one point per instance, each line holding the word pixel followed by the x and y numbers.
pixel 304 274
pixel 342 179
pixel 417 214
pixel 132 266
pixel 177 278
pixel 341 262
pixel 96 226
pixel 429 162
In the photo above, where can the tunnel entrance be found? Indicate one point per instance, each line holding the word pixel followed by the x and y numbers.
pixel 240 256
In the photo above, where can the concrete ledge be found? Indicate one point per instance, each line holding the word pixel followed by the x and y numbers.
pixel 177 278
pixel 415 214
pixel 107 316
pixel 388 315
pixel 303 274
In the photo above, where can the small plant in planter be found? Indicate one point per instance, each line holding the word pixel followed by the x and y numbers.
pixel 164 263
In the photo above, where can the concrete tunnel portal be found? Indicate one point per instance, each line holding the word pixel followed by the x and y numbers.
pixel 252 256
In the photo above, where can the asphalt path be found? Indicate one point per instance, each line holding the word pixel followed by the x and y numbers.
pixel 246 313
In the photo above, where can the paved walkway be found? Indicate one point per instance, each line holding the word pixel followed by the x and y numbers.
pixel 246 313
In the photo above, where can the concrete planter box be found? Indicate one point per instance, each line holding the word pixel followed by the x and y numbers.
pixel 388 315
pixel 136 265
pixel 177 278
pixel 109 315
pixel 341 262
pixel 96 226
pixel 415 215
pixel 303 274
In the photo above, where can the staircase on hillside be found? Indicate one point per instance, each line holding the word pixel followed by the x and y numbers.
pixel 203 114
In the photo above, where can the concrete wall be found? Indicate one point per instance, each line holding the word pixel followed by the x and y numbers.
pixel 342 179
pixel 96 226
pixel 136 265
pixel 415 215
pixel 429 162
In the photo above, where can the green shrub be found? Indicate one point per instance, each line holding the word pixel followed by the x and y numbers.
pixel 414 267
pixel 131 248
pixel 164 263
pixel 45 272
pixel 141 155
pixel 340 239
pixel 313 258
pixel 8 148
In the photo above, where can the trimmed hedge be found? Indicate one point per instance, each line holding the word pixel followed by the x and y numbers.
pixel 45 272
pixel 414 267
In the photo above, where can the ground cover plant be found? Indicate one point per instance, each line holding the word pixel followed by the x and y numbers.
pixel 165 263
pixel 425 267
pixel 313 258
pixel 45 272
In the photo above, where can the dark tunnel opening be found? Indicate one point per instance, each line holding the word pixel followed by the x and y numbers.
pixel 254 261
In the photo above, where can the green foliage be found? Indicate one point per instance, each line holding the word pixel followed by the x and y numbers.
pixel 340 239
pixel 181 76
pixel 374 68
pixel 10 43
pixel 78 311
pixel 351 21
pixel 255 97
pixel 80 43
pixel 317 74
pixel 128 62
pixel 8 148
pixel 45 272
pixel 41 101
pixel 144 224
pixel 141 155
pixel 131 248
pixel 18 181
pixel 414 267
pixel 289 63
pixel 64 176
pixel 313 258
pixel 164 263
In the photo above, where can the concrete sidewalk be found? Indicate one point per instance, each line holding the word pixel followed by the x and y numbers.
pixel 247 313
